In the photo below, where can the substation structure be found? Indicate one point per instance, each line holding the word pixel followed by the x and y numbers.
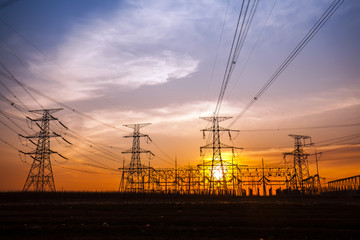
pixel 345 184
pixel 217 175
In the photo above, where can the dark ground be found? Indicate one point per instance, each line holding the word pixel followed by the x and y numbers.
pixel 126 216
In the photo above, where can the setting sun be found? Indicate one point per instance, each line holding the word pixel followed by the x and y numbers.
pixel 218 172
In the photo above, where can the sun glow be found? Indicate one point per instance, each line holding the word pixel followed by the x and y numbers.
pixel 219 172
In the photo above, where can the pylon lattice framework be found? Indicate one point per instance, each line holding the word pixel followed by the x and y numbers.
pixel 133 176
pixel 217 164
pixel 301 163
pixel 40 176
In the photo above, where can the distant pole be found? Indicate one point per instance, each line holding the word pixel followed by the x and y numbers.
pixel 176 180
pixel 317 171
pixel 122 176
pixel 263 177
pixel 149 176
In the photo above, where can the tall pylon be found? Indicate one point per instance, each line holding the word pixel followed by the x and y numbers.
pixel 134 179
pixel 301 163
pixel 217 179
pixel 40 177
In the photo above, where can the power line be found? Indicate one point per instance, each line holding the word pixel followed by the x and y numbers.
pixel 164 153
pixel 59 103
pixel 240 34
pixel 13 130
pixel 100 155
pixel 25 110
pixel 9 144
pixel 93 160
pixel 11 103
pixel 218 48
pixel 344 138
pixel 78 170
pixel 318 25
pixel 21 85
pixel 41 52
pixel 92 144
pixel 252 50
pixel 298 128
pixel 13 122
pixel 8 89
pixel 12 116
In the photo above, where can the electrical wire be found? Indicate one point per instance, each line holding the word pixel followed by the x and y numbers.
pixel 340 138
pixel 20 84
pixel 318 25
pixel 14 123
pixel 12 115
pixel 253 48
pixel 240 34
pixel 218 48
pixel 59 103
pixel 43 53
pixel 9 144
pixel 78 170
pixel 163 152
pixel 298 128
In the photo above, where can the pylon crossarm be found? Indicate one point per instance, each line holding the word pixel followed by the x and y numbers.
pixel 222 145
pixel 52 110
pixel 36 135
pixel 136 135
pixel 27 153
pixel 220 129
pixel 219 119
pixel 34 120
pixel 141 166
pixel 139 125
pixel 140 151
pixel 210 145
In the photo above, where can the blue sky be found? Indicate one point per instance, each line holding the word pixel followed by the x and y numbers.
pixel 152 61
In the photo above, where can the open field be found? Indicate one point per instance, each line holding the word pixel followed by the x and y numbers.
pixel 126 216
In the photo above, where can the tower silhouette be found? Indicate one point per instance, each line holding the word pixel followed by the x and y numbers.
pixel 40 177
pixel 218 176
pixel 134 179
pixel 301 163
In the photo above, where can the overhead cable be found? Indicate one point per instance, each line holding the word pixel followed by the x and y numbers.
pixel 241 30
pixel 318 25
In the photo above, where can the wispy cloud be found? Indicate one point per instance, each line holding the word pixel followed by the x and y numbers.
pixel 133 46
pixel 165 120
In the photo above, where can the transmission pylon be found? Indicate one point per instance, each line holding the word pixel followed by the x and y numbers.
pixel 134 179
pixel 301 163
pixel 40 177
pixel 217 179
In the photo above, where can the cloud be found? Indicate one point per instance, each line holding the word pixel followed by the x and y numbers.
pixel 180 119
pixel 131 47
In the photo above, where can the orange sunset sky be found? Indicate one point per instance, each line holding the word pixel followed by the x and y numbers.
pixel 114 62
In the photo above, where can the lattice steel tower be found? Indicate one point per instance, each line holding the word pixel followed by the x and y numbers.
pixel 216 165
pixel 40 176
pixel 301 163
pixel 135 172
